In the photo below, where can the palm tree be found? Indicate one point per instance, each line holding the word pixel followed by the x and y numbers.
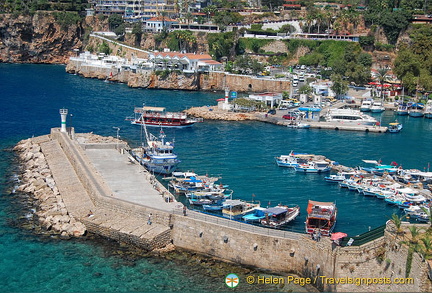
pixel 413 246
pixel 427 250
pixel 309 20
pixel 382 77
pixel 428 212
pixel 397 221
pixel 319 17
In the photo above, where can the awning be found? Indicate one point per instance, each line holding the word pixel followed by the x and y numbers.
pixel 338 235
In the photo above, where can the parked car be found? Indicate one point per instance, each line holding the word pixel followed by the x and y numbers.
pixel 271 111
pixel 289 116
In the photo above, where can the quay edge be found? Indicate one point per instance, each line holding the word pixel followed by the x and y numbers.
pixel 85 186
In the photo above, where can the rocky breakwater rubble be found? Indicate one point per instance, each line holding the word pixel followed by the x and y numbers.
pixel 37 181
pixel 214 113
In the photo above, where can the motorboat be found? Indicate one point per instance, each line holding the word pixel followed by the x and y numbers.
pixel 314 167
pixel 335 178
pixel 256 216
pixel 235 209
pixel 156 154
pixel 280 215
pixel 298 125
pixel 380 169
pixel 402 109
pixel 212 207
pixel 377 107
pixel 416 110
pixel 428 110
pixel 366 106
pixel 394 127
pixel 349 116
pixel 293 159
pixel 321 217
pixel 158 117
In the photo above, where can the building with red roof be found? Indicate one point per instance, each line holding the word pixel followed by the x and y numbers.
pixel 187 62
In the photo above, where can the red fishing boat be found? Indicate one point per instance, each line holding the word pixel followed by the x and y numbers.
pixel 157 116
pixel 321 217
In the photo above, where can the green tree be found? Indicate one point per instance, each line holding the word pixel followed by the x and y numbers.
pixel 220 44
pixel 382 78
pixel 104 48
pixel 287 29
pixel 340 86
pixel 186 40
pixel 365 59
pixel 137 31
pixel 427 247
pixel 413 246
pixel 305 89
pixel 114 21
pixel 397 221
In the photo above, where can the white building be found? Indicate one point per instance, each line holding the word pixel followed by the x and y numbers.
pixel 187 62
pixel 157 24
pixel 270 99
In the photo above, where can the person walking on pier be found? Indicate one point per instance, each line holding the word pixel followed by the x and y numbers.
pixel 184 210
pixel 149 219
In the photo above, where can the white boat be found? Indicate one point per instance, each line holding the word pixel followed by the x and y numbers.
pixel 335 178
pixel 314 167
pixel 394 127
pixel 366 106
pixel 280 215
pixel 377 107
pixel 298 125
pixel 428 110
pixel 349 116
pixel 416 110
pixel 402 109
pixel 293 159
pixel 156 154
pixel 411 195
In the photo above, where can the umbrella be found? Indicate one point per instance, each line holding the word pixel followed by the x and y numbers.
pixel 338 235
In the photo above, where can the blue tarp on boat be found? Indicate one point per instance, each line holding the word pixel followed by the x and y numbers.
pixel 275 211
pixel 193 180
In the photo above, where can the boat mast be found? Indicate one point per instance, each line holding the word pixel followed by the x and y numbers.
pixel 144 126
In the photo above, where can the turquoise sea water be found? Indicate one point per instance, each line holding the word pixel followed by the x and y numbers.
pixel 242 153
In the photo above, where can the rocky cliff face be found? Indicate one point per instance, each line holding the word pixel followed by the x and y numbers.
pixel 37 39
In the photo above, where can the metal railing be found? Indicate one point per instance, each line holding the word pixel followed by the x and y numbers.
pixel 218 220
pixel 364 238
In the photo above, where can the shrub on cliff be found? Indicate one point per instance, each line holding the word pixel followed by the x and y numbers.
pixel 65 19
pixel 104 48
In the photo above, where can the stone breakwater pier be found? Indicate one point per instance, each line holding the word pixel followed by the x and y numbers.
pixel 88 183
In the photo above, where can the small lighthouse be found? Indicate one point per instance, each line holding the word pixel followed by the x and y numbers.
pixel 63 114
pixel 226 95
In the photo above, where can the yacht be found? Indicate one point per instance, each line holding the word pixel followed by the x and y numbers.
pixel 366 106
pixel 377 107
pixel 428 110
pixel 402 109
pixel 349 116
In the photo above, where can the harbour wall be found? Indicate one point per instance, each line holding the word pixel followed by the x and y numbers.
pixel 88 198
pixel 234 241
pixel 212 81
